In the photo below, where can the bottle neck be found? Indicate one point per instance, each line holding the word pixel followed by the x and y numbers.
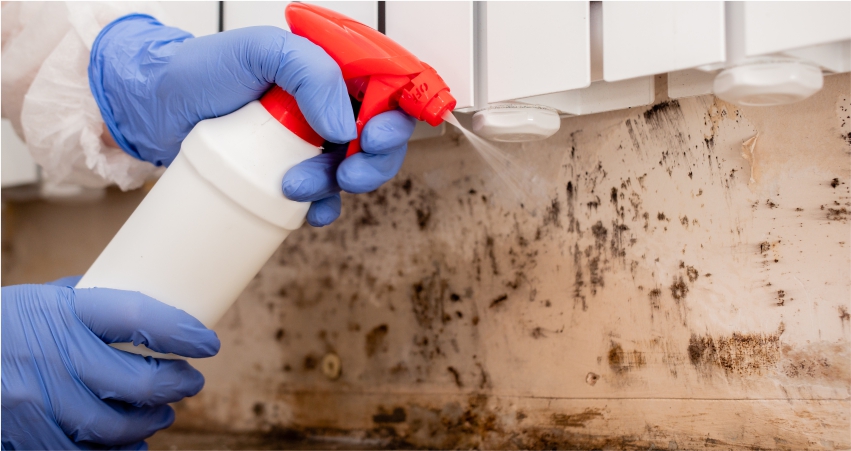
pixel 284 108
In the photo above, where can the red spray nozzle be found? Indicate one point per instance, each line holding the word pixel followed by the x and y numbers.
pixel 379 73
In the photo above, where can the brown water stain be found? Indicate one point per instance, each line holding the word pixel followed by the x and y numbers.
pixel 621 361
pixel 576 420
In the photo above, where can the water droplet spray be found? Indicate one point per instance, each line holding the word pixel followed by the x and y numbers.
pixel 520 181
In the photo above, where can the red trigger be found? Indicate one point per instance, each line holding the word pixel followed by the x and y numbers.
pixel 380 96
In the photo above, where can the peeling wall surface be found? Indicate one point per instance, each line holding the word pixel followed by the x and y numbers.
pixel 684 283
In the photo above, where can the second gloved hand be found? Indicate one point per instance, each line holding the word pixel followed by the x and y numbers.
pixel 65 388
pixel 384 142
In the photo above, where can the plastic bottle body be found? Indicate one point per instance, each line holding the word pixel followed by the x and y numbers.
pixel 211 221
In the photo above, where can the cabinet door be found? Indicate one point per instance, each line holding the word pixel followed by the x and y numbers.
pixel 536 48
pixel 199 18
pixel 441 35
pixel 247 14
pixel 647 38
pixel 777 26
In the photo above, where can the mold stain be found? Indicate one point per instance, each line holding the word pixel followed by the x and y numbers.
pixel 679 289
pixel 692 273
pixel 552 214
pixel 456 376
pixel 655 295
pixel 576 420
pixel 621 361
pixel 427 299
pixel 498 300
pixel 837 214
pixel 578 283
pixel 740 354
pixel 375 340
pixel 396 416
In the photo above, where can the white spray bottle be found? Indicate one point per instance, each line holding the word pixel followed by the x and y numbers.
pixel 216 215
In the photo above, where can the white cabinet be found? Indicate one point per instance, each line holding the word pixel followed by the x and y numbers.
pixel 239 14
pixel 647 38
pixel 441 35
pixel 599 97
pixel 199 18
pixel 536 48
pixel 777 26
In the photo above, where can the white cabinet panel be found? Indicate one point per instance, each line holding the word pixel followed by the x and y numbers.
pixel 536 48
pixel 834 57
pixel 199 18
pixel 776 26
pixel 647 38
pixel 249 14
pixel 447 48
pixel 239 14
pixel 600 96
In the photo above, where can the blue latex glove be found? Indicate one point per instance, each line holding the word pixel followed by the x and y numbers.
pixel 154 83
pixel 64 388
pixel 384 142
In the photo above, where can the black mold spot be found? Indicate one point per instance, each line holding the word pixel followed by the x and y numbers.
pixel 654 295
pixel 599 233
pixel 834 183
pixel 781 295
pixel 489 246
pixel 407 186
pixel 679 289
pixel 578 282
pixel 499 299
pixel 259 409
pixel 310 362
pixel 654 113
pixel 423 216
pixel 661 216
pixel 279 334
pixel 397 416
pixel 375 340
pixel 692 273
pixel 837 214
pixel 454 297
pixel 456 376
pixel 552 214
pixel 428 296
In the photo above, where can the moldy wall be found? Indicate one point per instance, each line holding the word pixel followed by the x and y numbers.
pixel 681 285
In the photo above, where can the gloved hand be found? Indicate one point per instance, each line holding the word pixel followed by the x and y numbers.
pixel 384 142
pixel 154 83
pixel 64 388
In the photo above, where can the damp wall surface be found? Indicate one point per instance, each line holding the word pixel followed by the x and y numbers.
pixel 681 285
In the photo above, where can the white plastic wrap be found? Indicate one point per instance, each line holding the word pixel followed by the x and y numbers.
pixel 46 95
